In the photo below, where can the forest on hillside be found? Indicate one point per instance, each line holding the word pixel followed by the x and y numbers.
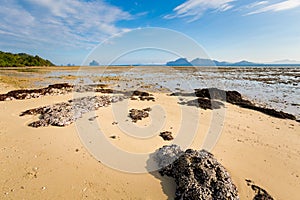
pixel 22 60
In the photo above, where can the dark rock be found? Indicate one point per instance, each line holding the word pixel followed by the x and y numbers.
pixel 92 118
pixel 133 98
pixel 182 94
pixel 166 135
pixel 106 91
pixel 198 175
pixel 232 97
pixel 166 155
pixel 136 114
pixel 147 109
pixel 204 103
pixel 141 95
pixel 260 194
pixel 236 98
pixel 147 98
pixel 268 111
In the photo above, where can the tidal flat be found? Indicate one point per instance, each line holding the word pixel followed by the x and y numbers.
pixel 272 87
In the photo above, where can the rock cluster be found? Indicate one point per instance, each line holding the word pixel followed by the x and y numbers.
pixel 136 114
pixel 166 135
pixel 142 96
pixel 236 98
pixel 55 89
pixel 198 175
pixel 66 113
pixel 207 95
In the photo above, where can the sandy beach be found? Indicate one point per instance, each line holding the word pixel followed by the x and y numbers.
pixel 51 162
pixel 134 100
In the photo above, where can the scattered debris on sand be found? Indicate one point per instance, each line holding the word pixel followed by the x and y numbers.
pixel 198 175
pixel 66 113
pixel 136 114
pixel 92 118
pixel 166 135
pixel 260 194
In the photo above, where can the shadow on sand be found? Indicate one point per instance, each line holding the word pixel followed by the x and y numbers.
pixel 168 184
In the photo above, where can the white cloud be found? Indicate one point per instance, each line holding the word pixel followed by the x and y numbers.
pixel 63 23
pixel 195 8
pixel 256 4
pixel 284 5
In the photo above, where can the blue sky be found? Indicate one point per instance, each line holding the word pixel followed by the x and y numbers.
pixel 65 31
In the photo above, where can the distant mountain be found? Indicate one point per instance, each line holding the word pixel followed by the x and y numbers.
pixel 179 62
pixel 202 62
pixel 245 63
pixel 22 60
pixel 286 61
pixel 208 62
pixel 94 63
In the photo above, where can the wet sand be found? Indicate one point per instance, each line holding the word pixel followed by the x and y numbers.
pixel 51 162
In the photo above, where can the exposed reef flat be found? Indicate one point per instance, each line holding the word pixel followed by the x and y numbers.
pixel 65 113
pixel 207 97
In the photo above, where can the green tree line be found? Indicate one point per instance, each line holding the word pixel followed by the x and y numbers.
pixel 22 60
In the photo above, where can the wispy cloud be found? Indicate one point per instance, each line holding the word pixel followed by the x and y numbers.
pixel 66 23
pixel 256 4
pixel 194 9
pixel 280 6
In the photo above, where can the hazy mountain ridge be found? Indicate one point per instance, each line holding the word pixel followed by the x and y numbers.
pixel 285 61
pixel 209 62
